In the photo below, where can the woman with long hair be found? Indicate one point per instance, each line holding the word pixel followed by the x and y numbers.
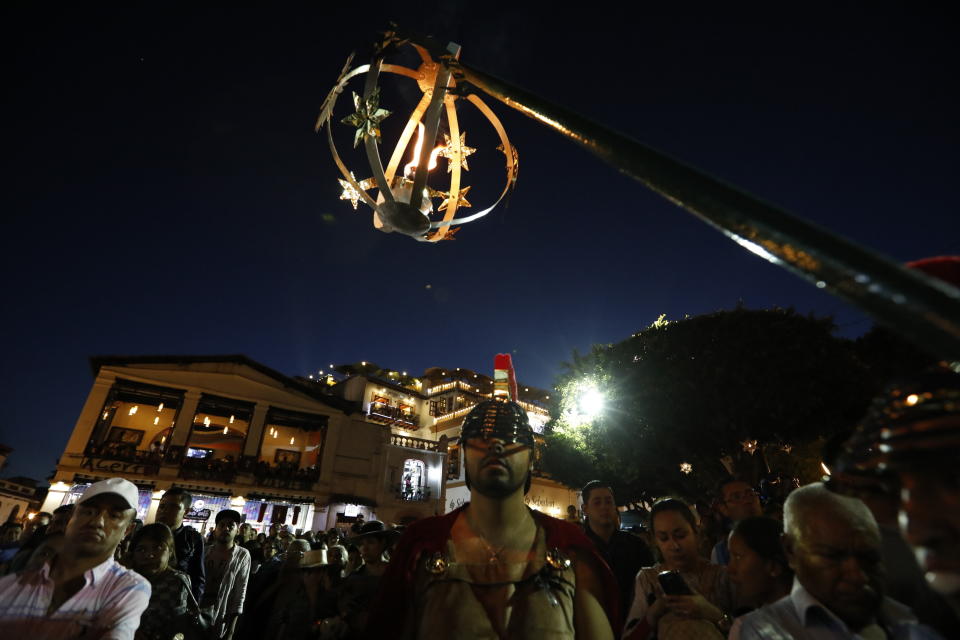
pixel 758 567
pixel 758 564
pixel 152 555
pixel 694 599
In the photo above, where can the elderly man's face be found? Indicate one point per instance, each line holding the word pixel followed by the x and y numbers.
pixel 838 561
pixel 98 525
pixel 930 517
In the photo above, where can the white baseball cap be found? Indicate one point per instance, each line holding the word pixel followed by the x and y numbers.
pixel 123 488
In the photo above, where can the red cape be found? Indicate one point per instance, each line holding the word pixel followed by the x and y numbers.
pixel 428 536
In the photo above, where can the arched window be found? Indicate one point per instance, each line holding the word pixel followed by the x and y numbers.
pixel 413 480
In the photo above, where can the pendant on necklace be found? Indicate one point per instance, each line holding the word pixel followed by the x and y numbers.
pixel 494 553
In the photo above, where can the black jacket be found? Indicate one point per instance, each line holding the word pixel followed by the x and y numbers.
pixel 626 554
pixel 189 546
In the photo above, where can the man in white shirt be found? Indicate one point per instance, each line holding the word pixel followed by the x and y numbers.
pixel 82 592
pixel 227 565
pixel 833 545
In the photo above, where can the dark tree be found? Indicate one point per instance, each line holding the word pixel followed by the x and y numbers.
pixel 695 390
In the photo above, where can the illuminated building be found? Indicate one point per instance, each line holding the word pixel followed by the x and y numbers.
pixel 428 411
pixel 311 453
pixel 237 434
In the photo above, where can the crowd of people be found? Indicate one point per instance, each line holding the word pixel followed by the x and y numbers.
pixel 872 551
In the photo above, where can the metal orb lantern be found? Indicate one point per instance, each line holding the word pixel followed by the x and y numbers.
pixel 404 202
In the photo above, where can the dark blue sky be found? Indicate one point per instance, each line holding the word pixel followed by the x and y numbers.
pixel 165 192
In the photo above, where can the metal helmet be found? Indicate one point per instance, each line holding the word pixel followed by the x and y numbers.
pixel 498 419
pixel 914 424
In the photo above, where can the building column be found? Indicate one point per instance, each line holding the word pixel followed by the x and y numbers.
pixel 181 429
pixel 252 446
pixel 321 516
pixel 90 414
pixel 154 505
pixel 55 495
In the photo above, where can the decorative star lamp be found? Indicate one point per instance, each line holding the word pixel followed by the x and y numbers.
pixel 404 201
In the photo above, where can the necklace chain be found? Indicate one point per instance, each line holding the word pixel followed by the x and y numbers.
pixel 494 553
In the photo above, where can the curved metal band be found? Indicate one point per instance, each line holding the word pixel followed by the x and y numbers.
pixel 453 196
pixel 367 200
pixel 507 151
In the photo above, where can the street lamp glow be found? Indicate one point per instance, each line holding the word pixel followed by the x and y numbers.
pixel 590 401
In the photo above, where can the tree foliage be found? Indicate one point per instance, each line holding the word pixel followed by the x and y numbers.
pixel 694 390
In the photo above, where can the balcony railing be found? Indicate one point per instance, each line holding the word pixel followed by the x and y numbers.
pixel 285 476
pixel 126 453
pixel 414 443
pixel 216 469
pixel 409 493
pixel 393 415
pixel 123 452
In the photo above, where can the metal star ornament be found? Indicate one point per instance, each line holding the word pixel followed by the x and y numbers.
pixel 451 233
pixel 367 116
pixel 461 200
pixel 350 193
pixel 449 153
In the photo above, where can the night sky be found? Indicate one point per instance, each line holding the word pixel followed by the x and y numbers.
pixel 165 192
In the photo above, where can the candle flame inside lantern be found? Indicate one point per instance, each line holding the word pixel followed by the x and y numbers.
pixel 408 169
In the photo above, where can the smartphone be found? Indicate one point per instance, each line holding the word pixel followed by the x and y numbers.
pixel 673 584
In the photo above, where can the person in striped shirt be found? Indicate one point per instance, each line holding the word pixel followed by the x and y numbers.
pixel 81 592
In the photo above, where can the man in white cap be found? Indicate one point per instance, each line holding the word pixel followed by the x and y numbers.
pixel 82 591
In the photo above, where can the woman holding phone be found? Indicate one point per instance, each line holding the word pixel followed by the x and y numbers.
pixel 684 596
